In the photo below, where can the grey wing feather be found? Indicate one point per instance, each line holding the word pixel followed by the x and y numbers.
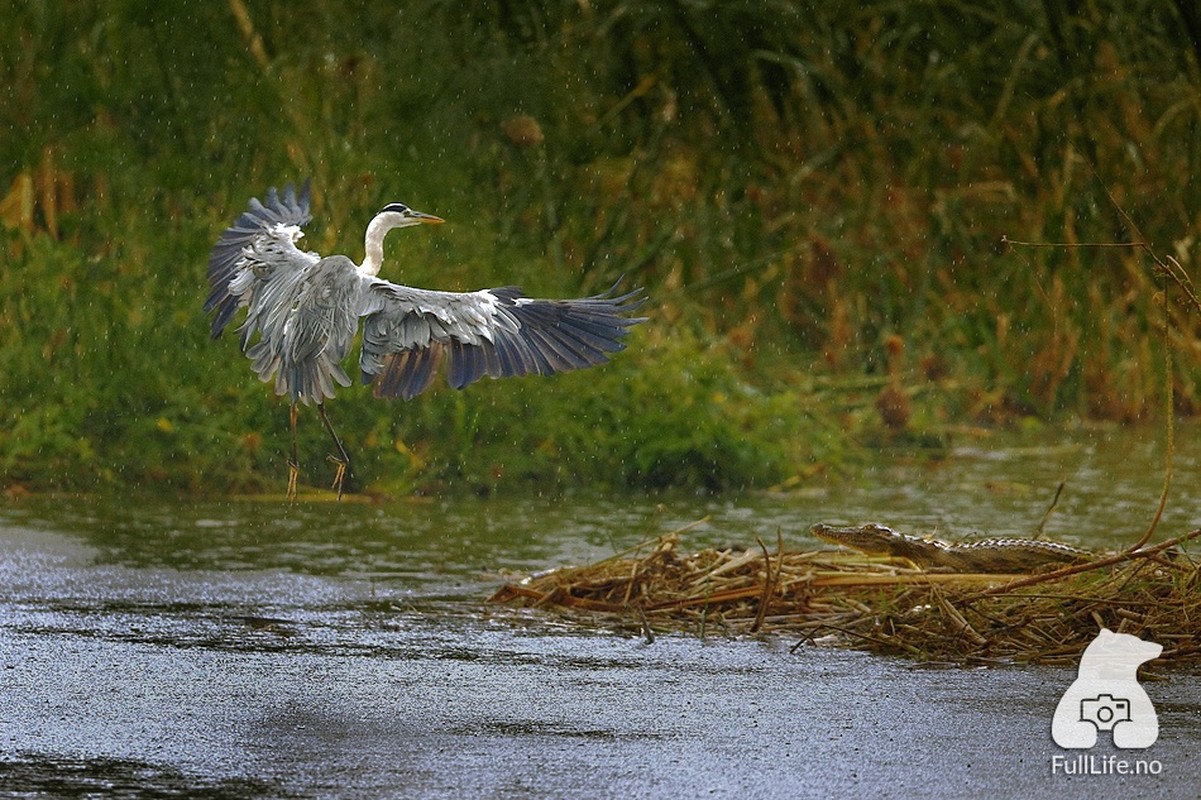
pixel 303 307
pixel 309 330
pixel 409 334
pixel 256 257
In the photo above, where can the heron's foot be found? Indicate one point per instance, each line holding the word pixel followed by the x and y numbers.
pixel 340 465
pixel 293 475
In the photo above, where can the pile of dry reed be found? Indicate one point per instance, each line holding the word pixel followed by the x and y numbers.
pixel 883 605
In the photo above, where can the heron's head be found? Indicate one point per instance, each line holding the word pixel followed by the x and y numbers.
pixel 393 215
pixel 398 215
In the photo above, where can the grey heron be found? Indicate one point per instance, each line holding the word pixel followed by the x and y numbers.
pixel 305 311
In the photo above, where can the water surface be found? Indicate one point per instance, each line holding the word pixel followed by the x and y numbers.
pixel 246 647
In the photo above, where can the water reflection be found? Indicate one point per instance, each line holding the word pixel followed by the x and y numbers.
pixel 996 484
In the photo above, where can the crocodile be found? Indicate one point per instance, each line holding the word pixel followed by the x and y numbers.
pixel 987 555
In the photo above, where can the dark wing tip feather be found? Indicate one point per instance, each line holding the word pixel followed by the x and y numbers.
pixel 408 373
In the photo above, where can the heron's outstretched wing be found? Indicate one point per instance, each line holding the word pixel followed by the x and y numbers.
pixel 256 263
pixel 409 333
pixel 307 331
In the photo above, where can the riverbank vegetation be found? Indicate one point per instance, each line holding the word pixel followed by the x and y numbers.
pixel 815 199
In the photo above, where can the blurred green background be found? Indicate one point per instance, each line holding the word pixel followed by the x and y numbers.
pixel 814 195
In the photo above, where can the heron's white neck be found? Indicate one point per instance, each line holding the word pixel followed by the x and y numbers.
pixel 374 243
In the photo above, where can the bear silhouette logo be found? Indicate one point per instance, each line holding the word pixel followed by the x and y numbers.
pixel 1106 696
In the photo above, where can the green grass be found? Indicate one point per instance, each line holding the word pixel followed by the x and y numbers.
pixel 800 187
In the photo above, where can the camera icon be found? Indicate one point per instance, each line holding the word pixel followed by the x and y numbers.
pixel 1104 711
pixel 1105 693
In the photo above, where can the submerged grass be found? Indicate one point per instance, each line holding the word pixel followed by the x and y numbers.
pixel 880 604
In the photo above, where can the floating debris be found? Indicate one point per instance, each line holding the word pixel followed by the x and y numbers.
pixel 882 604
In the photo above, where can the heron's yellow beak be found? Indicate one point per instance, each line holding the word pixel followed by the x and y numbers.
pixel 428 219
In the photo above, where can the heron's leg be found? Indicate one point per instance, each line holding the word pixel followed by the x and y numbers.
pixel 293 462
pixel 342 460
